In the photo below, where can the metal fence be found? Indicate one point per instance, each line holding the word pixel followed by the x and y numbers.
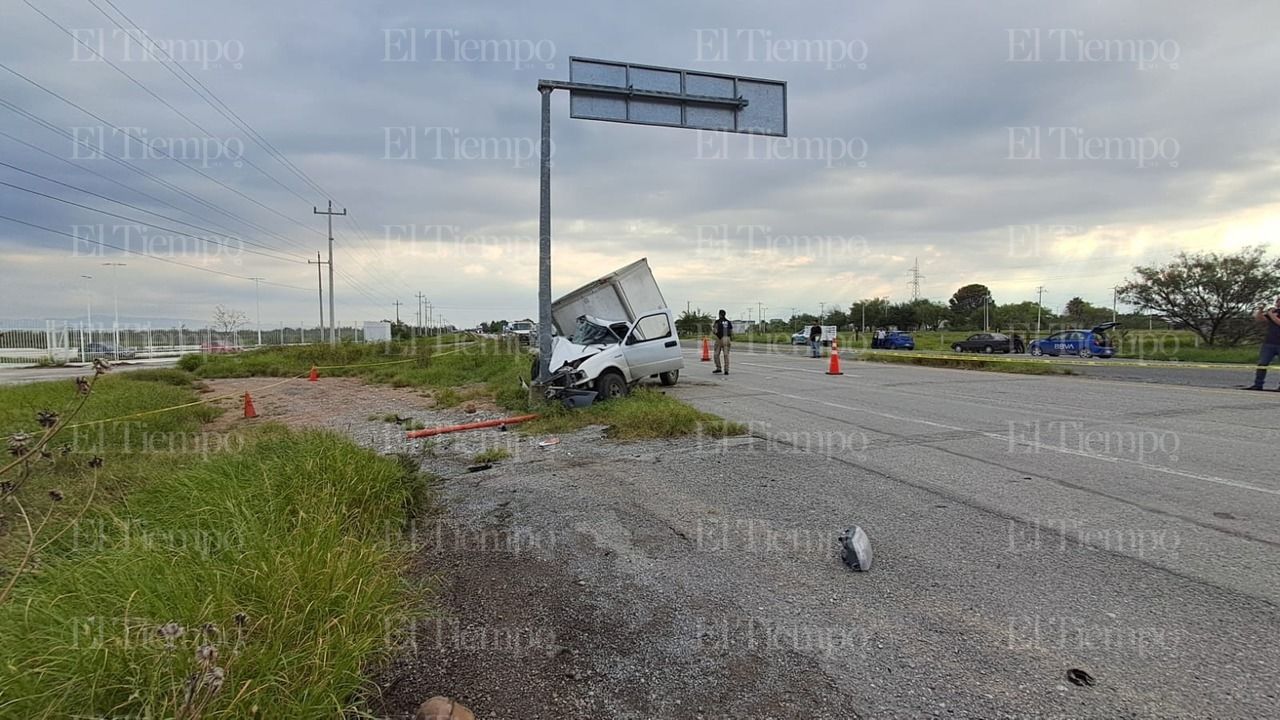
pixel 26 343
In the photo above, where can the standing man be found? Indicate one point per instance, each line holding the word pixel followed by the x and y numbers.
pixel 1270 343
pixel 1018 345
pixel 815 340
pixel 722 328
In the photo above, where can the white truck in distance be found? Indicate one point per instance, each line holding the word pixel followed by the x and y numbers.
pixel 524 330
pixel 613 333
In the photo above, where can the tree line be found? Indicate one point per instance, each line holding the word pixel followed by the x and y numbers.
pixel 1212 295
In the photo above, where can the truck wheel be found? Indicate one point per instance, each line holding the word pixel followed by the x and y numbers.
pixel 669 378
pixel 611 385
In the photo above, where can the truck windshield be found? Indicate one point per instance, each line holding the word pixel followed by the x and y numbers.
pixel 589 333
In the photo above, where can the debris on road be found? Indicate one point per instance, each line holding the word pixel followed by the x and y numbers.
pixel 1079 677
pixel 855 549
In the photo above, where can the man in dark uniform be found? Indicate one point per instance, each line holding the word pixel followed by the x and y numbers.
pixel 815 340
pixel 722 328
pixel 1270 343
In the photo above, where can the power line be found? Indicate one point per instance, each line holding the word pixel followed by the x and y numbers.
pixel 153 257
pixel 141 142
pixel 148 90
pixel 113 180
pixel 147 174
pixel 150 212
pixel 225 110
pixel 135 220
pixel 214 101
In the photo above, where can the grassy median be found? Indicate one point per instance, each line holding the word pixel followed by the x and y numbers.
pixel 177 575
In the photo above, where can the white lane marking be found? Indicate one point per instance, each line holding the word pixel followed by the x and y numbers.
pixel 1007 439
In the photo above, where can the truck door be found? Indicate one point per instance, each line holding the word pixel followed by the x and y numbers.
pixel 651 347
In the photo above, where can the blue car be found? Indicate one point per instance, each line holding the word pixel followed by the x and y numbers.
pixel 1081 343
pixel 894 341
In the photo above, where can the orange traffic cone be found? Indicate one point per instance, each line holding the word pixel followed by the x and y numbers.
pixel 706 350
pixel 835 358
pixel 249 410
pixel 315 376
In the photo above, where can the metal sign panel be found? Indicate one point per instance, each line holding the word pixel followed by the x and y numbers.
pixel 650 95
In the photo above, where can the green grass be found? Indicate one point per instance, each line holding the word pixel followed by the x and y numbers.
pixel 298 531
pixel 134 451
pixel 483 369
pixel 447 368
pixel 491 455
pixel 643 414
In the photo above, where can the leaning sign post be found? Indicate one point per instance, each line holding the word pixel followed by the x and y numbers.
pixel 646 95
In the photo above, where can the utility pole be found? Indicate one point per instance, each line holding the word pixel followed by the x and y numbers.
pixel 115 300
pixel 1039 305
pixel 1115 291
pixel 916 277
pixel 333 327
pixel 430 320
pixel 421 323
pixel 257 300
pixel 320 285
pixel 88 310
pixel 822 310
pixel 986 316
pixel 397 304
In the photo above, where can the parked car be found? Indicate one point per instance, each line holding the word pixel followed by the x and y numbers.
pixel 1082 343
pixel 219 347
pixel 107 351
pixel 895 340
pixel 800 338
pixel 984 343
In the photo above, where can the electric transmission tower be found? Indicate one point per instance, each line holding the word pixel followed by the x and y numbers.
pixel 916 277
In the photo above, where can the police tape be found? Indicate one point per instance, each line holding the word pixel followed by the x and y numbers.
pixel 1067 363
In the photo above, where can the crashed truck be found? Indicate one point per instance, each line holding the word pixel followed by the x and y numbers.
pixel 612 333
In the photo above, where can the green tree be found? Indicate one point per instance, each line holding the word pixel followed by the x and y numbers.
pixel 967 303
pixel 1211 294
pixel 902 316
pixel 1022 316
pixel 693 323
pixel 874 308
pixel 929 313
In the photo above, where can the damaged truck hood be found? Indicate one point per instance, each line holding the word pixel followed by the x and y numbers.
pixel 566 352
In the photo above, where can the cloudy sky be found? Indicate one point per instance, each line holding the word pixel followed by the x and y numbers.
pixel 1017 144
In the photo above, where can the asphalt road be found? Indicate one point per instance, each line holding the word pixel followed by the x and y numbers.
pixel 1025 525
pixel 18 376
pixel 1149 371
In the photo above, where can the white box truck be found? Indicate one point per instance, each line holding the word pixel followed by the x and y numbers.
pixel 614 332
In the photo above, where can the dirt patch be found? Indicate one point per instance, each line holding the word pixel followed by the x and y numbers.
pixel 347 405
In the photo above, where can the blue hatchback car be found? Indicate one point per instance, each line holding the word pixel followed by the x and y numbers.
pixel 894 341
pixel 1081 343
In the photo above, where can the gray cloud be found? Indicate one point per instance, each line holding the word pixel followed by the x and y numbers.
pixel 912 135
